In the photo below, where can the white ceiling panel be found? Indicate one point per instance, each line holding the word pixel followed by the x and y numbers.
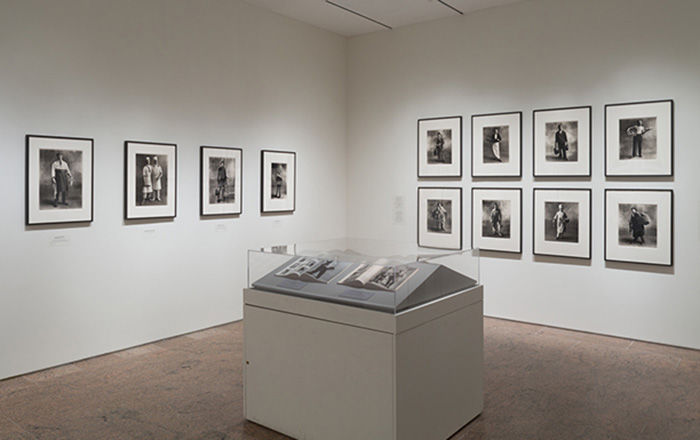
pixel 393 13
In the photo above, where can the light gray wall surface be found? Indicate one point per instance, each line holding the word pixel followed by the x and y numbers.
pixel 211 72
pixel 532 55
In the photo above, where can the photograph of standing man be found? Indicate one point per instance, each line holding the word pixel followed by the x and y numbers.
pixel 439 145
pixel 147 174
pixel 637 132
pixel 560 220
pixel 61 178
pixel 496 144
pixel 440 216
pixel 638 222
pixel 221 178
pixel 157 175
pixel 561 143
pixel 496 220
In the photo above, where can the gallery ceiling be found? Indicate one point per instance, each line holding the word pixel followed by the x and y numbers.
pixel 336 15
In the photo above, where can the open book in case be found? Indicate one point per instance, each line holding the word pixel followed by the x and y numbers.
pixel 374 274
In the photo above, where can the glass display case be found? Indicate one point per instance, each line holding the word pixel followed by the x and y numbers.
pixel 373 274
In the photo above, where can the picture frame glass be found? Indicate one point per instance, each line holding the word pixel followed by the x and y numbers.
pixel 639 226
pixel 497 219
pixel 497 145
pixel 151 180
pixel 440 147
pixel 59 180
pixel 278 181
pixel 562 222
pixel 639 139
pixel 562 142
pixel 221 178
pixel 440 218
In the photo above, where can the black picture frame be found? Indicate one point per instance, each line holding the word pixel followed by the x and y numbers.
pixel 202 149
pixel 27 211
pixel 520 195
pixel 520 149
pixel 262 182
pixel 671 146
pixel 590 141
pixel 127 217
pixel 461 148
pixel 461 214
pixel 590 222
pixel 605 226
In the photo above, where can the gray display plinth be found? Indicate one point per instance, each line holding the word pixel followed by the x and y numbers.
pixel 319 370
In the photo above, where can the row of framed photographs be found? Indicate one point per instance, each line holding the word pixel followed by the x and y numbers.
pixel 60 180
pixel 638 223
pixel 638 142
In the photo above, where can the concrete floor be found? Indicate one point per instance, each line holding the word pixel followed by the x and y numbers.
pixel 541 383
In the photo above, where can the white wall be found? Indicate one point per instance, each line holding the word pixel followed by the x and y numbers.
pixel 207 72
pixel 537 54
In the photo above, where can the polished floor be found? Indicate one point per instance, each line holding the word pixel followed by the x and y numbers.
pixel 540 383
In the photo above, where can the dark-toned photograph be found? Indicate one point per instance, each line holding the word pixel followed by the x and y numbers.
pixel 60 179
pixel 495 215
pixel 561 141
pixel 222 180
pixel 440 216
pixel 439 146
pixel 496 144
pixel 638 138
pixel 279 181
pixel 637 225
pixel 561 221
pixel 151 179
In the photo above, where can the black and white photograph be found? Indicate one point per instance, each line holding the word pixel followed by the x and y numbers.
pixel 562 222
pixel 151 181
pixel 221 172
pixel 497 219
pixel 562 142
pixel 378 277
pixel 496 141
pixel 59 179
pixel 639 226
pixel 639 139
pixel 440 147
pixel 497 145
pixel 440 217
pixel 315 270
pixel 278 181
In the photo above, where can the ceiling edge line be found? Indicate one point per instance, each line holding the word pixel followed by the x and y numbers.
pixel 443 2
pixel 359 14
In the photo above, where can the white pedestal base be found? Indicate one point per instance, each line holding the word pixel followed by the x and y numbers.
pixel 318 371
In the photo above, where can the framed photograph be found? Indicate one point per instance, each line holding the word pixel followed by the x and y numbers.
pixel 497 145
pixel 150 183
pixel 221 179
pixel 561 140
pixel 497 219
pixel 639 139
pixel 278 181
pixel 440 217
pixel 639 226
pixel 59 180
pixel 440 147
pixel 561 222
